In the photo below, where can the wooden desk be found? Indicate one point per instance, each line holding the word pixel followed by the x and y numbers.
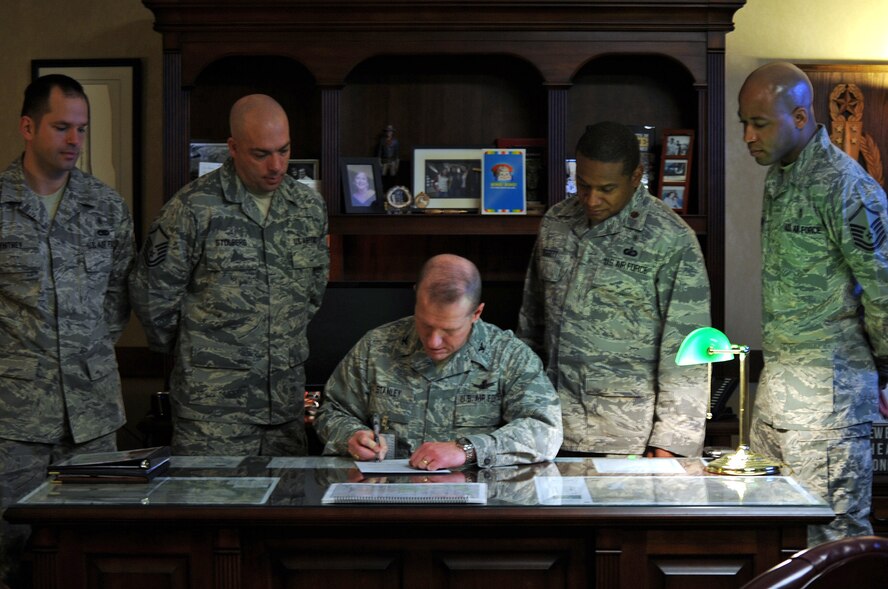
pixel 642 531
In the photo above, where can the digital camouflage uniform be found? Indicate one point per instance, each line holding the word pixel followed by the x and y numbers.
pixel 63 304
pixel 825 328
pixel 607 307
pixel 231 294
pixel 492 391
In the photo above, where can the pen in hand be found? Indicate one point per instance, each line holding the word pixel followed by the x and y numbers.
pixel 376 434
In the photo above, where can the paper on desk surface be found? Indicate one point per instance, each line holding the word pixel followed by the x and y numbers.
pixel 396 466
pixel 638 466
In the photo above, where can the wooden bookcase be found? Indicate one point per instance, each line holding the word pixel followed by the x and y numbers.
pixel 451 73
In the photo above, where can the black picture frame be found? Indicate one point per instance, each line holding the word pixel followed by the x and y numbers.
pixel 351 168
pixel 113 146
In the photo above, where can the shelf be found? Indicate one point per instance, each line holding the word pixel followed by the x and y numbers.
pixel 441 224
pixel 434 224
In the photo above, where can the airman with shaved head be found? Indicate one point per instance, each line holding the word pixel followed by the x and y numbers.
pixel 233 270
pixel 824 298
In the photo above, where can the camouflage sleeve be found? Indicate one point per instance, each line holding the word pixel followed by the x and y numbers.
pixel 345 406
pixel 162 273
pixel 117 302
pixel 531 318
pixel 531 409
pixel 864 245
pixel 682 395
pixel 321 273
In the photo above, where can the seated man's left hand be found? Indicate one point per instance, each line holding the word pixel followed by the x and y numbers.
pixel 883 401
pixel 438 455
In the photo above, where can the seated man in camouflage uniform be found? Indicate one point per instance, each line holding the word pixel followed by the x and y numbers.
pixel 452 389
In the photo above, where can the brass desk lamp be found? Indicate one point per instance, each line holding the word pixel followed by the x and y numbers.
pixel 705 346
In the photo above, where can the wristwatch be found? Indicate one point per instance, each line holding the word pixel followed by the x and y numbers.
pixel 469 448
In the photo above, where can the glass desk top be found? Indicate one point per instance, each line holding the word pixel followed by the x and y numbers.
pixel 302 481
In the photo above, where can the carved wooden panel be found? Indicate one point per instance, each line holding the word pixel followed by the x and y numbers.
pixel 133 572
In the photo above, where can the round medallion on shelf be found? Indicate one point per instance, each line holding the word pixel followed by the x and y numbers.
pixel 398 199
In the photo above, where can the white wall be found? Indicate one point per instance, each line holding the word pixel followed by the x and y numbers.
pixel 799 31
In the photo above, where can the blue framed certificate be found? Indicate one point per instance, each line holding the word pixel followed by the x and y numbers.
pixel 503 190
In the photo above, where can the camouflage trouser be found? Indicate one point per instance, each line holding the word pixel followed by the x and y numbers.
pixel 839 470
pixel 210 438
pixel 23 467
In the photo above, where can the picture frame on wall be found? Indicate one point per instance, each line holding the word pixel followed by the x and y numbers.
pixel 362 185
pixel 675 168
pixel 450 176
pixel 112 149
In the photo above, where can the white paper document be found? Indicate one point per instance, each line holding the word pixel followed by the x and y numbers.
pixel 562 491
pixel 473 493
pixel 396 466
pixel 638 466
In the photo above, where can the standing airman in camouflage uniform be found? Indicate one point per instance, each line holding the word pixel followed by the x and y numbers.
pixel 616 282
pixel 824 296
pixel 66 248
pixel 452 389
pixel 232 271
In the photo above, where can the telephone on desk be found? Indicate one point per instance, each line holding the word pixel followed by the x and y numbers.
pixel 722 388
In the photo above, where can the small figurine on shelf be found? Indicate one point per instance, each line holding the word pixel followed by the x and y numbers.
pixel 387 152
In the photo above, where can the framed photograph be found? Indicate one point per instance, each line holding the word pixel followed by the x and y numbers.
pixel 303 170
pixel 112 149
pixel 203 158
pixel 674 196
pixel 362 185
pixel 675 168
pixel 534 163
pixel 451 177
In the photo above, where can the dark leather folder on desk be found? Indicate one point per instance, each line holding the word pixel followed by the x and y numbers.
pixel 129 466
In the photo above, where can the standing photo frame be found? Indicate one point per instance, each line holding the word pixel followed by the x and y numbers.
pixel 534 163
pixel 675 168
pixel 451 177
pixel 112 149
pixel 362 185
pixel 303 170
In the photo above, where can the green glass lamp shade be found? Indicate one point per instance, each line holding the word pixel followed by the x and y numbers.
pixel 699 346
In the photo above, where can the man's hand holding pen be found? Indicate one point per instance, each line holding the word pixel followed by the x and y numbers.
pixel 365 445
